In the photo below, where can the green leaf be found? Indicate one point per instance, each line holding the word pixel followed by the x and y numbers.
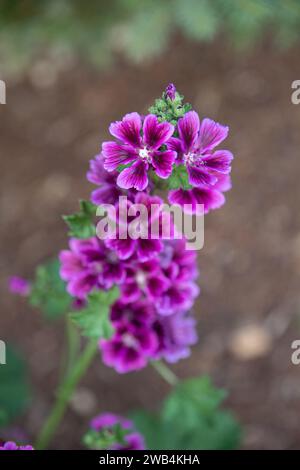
pixel 94 320
pixel 14 388
pixel 151 427
pixel 192 411
pixel 48 291
pixel 179 178
pixel 205 425
pixel 81 223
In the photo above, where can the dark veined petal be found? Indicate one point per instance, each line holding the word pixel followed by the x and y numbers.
pixel 188 128
pixel 156 133
pixel 211 134
pixel 116 154
pixel 162 162
pixel 134 176
pixel 128 130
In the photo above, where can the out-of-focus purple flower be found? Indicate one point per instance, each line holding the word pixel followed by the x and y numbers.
pixel 170 91
pixel 106 421
pixel 10 445
pixel 130 347
pixel 20 286
pixel 190 199
pixel 108 192
pixel 139 313
pixel 128 217
pixel 179 296
pixel 88 265
pixel 144 279
pixel 139 149
pixel 195 148
pixel 176 334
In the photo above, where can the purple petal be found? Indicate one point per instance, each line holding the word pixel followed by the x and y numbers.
pixel 70 265
pixel 218 161
pixel 211 134
pixel 128 130
pixel 175 144
pixel 107 194
pixel 81 285
pixel 224 183
pixel 188 128
pixel 125 248
pixel 156 133
pixel 134 176
pixel 116 154
pixel 183 198
pixel 211 198
pixel 130 292
pixel 199 175
pixel 147 248
pixel 20 286
pixel 162 162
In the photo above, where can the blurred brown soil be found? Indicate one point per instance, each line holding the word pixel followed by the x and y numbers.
pixel 248 311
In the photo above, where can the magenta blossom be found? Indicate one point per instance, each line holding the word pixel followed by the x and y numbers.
pixel 20 286
pixel 108 192
pixel 176 334
pixel 138 313
pixel 144 279
pixel 140 147
pixel 133 439
pixel 10 445
pixel 195 148
pixel 88 265
pixel 144 243
pixel 130 347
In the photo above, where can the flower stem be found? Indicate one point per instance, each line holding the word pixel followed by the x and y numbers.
pixel 64 394
pixel 165 373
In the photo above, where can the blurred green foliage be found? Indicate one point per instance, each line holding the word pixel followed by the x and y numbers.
pixel 139 29
pixel 190 418
pixel 48 292
pixel 14 387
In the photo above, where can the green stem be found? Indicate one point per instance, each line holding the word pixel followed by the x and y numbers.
pixel 165 373
pixel 64 394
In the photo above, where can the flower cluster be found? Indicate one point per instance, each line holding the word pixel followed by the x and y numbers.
pixel 10 445
pixel 156 275
pixel 114 433
pixel 146 145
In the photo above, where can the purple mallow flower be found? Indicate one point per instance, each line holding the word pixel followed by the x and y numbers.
pixel 150 318
pixel 195 149
pixel 139 146
pixel 138 313
pixel 20 286
pixel 176 334
pixel 129 348
pixel 148 244
pixel 88 265
pixel 106 422
pixel 170 91
pixel 108 192
pixel 10 445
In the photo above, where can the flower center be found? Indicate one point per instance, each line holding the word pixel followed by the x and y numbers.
pixel 129 341
pixel 192 158
pixel 112 258
pixel 144 154
pixel 140 278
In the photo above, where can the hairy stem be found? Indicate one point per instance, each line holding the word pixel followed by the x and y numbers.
pixel 64 394
pixel 165 373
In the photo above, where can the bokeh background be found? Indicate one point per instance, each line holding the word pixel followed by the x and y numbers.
pixel 73 67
